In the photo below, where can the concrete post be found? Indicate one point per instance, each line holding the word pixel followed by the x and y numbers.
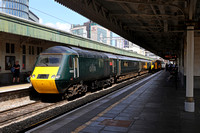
pixel 189 102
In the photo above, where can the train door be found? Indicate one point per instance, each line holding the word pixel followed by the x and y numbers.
pixel 156 65
pixel 119 68
pixel 76 67
pixel 112 66
pixel 145 66
pixel 140 66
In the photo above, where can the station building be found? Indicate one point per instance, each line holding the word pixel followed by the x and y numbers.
pixel 22 49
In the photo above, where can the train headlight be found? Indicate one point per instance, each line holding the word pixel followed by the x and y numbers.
pixel 57 76
pixel 53 76
pixel 33 76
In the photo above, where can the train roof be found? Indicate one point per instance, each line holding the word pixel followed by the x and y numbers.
pixel 126 58
pixel 145 60
pixel 59 50
pixel 89 54
pixel 111 56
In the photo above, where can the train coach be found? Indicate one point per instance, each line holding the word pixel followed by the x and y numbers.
pixel 69 71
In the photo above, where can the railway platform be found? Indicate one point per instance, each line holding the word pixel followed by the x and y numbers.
pixel 15 87
pixel 151 106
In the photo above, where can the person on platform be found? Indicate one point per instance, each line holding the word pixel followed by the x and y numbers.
pixel 166 67
pixel 16 73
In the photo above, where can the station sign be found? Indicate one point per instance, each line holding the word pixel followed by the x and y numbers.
pixel 170 56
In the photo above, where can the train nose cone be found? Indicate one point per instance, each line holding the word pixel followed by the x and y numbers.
pixel 43 81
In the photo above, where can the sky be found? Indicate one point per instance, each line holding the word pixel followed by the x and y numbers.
pixel 55 15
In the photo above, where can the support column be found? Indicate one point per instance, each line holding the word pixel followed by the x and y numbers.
pixel 189 102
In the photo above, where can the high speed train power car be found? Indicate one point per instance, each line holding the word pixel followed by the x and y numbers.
pixel 70 70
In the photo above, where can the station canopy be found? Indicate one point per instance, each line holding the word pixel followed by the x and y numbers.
pixel 156 25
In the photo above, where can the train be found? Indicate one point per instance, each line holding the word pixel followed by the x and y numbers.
pixel 156 65
pixel 70 71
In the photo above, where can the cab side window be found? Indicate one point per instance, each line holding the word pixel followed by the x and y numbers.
pixel 71 63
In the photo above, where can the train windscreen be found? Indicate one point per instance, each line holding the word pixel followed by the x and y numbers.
pixel 49 60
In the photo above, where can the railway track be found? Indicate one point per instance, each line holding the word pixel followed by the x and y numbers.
pixel 15 116
pixel 9 115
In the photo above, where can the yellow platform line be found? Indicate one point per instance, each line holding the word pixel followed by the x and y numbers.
pixel 105 111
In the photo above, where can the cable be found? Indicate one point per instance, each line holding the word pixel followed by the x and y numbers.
pixel 50 15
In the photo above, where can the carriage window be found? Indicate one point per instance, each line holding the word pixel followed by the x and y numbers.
pixel 76 65
pixel 101 63
pixel 125 64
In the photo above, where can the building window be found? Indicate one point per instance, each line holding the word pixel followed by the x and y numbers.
pixel 9 62
pixel 7 48
pixel 24 57
pixel 29 50
pixel 12 48
pixel 24 49
pixel 32 50
pixel 23 61
pixel 39 50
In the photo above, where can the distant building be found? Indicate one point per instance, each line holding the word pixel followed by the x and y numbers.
pixel 122 43
pixel 93 31
pixel 18 8
pixel 79 30
pixel 135 48
pixel 149 54
pixel 119 42
pixel 100 33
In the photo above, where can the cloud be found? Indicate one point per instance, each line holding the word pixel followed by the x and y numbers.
pixel 60 26
pixel 40 20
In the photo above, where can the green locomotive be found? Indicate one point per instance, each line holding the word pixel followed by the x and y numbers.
pixel 70 70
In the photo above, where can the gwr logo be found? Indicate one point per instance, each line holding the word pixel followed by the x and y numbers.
pixel 92 68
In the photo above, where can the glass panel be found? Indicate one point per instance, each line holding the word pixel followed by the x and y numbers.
pixel 7 48
pixel 32 50
pixel 24 49
pixel 70 62
pixel 38 50
pixel 41 49
pixel 9 62
pixel 29 50
pixel 24 62
pixel 49 60
pixel 12 48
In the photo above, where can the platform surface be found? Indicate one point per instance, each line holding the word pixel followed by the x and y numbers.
pixel 156 106
pixel 14 87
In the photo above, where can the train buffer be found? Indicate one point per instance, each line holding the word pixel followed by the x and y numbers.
pixel 152 106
